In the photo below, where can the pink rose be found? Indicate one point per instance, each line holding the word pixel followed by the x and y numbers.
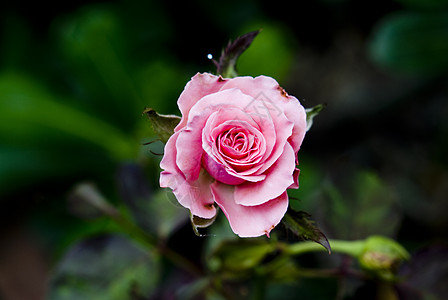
pixel 236 145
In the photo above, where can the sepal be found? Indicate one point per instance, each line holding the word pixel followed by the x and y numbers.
pixel 311 113
pixel 163 125
pixel 200 223
pixel 226 66
pixel 300 223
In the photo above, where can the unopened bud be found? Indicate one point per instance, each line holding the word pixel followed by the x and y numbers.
pixel 382 256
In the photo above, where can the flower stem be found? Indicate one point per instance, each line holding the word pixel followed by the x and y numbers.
pixel 352 248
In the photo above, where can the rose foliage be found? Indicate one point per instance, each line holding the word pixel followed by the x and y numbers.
pixel 235 148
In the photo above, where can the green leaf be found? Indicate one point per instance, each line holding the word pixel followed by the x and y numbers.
pixel 163 125
pixel 226 66
pixel 235 256
pixel 415 43
pixel 304 227
pixel 104 268
pixel 282 270
pixel 311 113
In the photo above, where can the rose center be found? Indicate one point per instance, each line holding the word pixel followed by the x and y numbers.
pixel 236 143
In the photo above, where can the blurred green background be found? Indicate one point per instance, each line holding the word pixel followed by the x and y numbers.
pixel 75 78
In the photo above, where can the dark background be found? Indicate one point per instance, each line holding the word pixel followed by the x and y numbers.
pixel 379 145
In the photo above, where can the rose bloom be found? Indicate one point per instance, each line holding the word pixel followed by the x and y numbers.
pixel 235 146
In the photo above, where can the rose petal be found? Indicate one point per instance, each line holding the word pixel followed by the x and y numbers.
pixel 278 178
pixel 283 130
pixel 295 176
pixel 295 112
pixel 249 221
pixel 221 167
pixel 220 100
pixel 189 151
pixel 218 171
pixel 189 142
pixel 168 162
pixel 199 86
pixel 251 86
pixel 212 145
pixel 276 100
pixel 196 195
pixel 245 114
pixel 272 141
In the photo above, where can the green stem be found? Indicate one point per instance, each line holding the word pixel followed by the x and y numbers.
pixel 229 72
pixel 352 248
